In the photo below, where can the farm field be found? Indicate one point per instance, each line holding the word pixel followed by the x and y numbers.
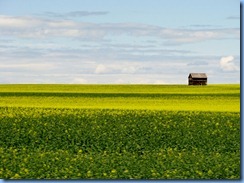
pixel 151 97
pixel 119 132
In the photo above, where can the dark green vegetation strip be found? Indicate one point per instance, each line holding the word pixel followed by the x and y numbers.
pixel 109 95
pixel 79 143
pixel 114 88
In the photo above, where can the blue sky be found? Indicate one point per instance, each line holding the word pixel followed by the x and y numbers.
pixel 109 41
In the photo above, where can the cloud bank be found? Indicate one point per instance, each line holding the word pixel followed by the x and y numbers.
pixel 36 28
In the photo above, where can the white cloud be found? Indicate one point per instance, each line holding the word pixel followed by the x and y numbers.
pixel 227 64
pixel 18 22
pixel 160 82
pixel 118 67
pixel 30 66
pixel 129 69
pixel 120 81
pixel 79 80
pixel 100 69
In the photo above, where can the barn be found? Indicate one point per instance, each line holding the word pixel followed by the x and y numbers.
pixel 197 79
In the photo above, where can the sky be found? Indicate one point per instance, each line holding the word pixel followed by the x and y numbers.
pixel 119 42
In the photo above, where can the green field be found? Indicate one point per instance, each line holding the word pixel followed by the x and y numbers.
pixel 149 97
pixel 119 132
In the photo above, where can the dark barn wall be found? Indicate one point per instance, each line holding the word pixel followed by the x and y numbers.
pixel 197 81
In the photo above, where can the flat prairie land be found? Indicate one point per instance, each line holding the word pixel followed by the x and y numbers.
pixel 119 131
pixel 146 97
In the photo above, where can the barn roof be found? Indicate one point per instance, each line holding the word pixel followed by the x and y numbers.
pixel 198 75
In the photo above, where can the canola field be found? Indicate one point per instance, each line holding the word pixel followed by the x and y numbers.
pixel 119 132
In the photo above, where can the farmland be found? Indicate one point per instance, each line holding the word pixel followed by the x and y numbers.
pixel 119 132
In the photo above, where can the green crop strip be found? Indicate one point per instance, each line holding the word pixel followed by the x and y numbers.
pixel 102 135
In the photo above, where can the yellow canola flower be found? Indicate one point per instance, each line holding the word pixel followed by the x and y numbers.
pixel 89 173
pixel 113 171
pixel 199 173
pixel 126 171
pixel 80 151
pixel 210 172
pixel 105 174
pixel 16 176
